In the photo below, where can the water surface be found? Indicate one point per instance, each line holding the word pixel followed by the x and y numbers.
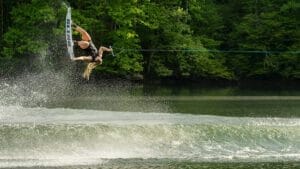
pixel 123 125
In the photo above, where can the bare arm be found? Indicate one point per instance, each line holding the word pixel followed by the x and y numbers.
pixel 103 49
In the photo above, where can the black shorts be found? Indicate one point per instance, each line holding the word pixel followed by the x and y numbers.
pixel 94 55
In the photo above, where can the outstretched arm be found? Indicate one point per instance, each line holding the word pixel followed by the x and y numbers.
pixel 104 49
pixel 84 35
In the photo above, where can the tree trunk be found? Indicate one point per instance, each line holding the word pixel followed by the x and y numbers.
pixel 149 63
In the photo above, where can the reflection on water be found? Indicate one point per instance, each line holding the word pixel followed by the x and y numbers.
pixel 190 100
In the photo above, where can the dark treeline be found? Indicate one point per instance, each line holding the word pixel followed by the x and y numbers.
pixel 183 39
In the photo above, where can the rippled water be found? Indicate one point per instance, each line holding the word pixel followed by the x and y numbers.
pixel 120 126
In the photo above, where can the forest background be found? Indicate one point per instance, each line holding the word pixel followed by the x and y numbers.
pixel 229 40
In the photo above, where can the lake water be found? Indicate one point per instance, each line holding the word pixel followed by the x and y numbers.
pixel 51 122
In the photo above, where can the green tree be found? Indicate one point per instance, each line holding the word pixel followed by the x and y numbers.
pixel 34 28
pixel 270 26
pixel 170 29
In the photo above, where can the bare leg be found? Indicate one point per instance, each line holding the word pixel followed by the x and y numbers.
pixel 83 58
pixel 84 35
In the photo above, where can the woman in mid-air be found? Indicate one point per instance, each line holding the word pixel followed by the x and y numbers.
pixel 94 56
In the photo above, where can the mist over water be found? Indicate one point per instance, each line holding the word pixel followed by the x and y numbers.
pixel 23 105
pixel 31 89
pixel 47 119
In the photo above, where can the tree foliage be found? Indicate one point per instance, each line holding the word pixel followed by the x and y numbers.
pixel 170 38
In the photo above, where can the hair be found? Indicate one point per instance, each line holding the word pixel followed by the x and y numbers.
pixel 89 68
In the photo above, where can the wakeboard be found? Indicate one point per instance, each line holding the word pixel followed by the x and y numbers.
pixel 69 38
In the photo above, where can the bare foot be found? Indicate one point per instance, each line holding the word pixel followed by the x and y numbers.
pixel 74 25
